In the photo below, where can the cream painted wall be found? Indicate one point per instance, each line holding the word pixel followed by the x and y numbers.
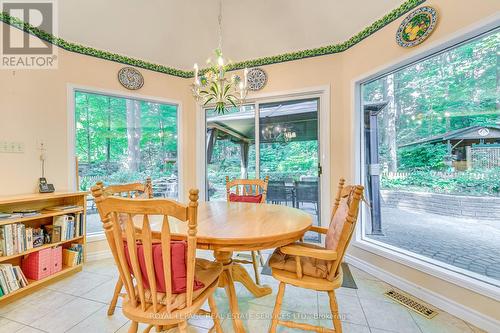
pixel 33 106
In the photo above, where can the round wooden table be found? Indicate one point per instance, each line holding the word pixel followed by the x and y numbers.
pixel 226 227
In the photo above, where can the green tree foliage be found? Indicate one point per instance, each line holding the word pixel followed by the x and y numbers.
pixel 454 89
pixel 102 145
pixel 422 156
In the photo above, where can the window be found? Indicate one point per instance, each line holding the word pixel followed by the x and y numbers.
pixel 122 140
pixel 432 158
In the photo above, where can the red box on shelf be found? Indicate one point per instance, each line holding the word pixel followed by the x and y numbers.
pixel 37 265
pixel 56 260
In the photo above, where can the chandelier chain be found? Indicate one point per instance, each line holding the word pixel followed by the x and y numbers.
pixel 220 25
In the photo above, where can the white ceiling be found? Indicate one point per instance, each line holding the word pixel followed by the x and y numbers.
pixel 178 33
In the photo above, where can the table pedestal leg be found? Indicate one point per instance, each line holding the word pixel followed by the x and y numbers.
pixel 226 281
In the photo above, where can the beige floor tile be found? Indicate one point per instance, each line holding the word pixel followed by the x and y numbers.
pixel 376 330
pixel 24 300
pixel 372 289
pixel 104 267
pixel 100 322
pixel 79 283
pixel 388 316
pixel 104 292
pixel 9 326
pixel 124 328
pixel 62 319
pixel 28 329
pixel 346 327
pixel 350 309
pixel 443 322
pixel 46 303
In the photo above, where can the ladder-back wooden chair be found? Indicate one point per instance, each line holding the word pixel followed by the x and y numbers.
pixel 132 190
pixel 314 267
pixel 164 287
pixel 254 191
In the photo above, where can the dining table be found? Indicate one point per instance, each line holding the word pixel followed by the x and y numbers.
pixel 226 227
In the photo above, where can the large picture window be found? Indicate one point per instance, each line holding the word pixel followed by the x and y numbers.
pixel 122 140
pixel 432 158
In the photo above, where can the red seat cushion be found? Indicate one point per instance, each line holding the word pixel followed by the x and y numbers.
pixel 178 250
pixel 245 198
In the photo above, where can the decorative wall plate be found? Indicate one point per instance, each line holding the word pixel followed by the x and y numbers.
pixel 257 79
pixel 130 78
pixel 417 26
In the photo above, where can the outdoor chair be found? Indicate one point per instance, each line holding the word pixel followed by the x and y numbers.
pixel 252 191
pixel 314 267
pixel 166 284
pixel 307 192
pixel 276 192
pixel 132 190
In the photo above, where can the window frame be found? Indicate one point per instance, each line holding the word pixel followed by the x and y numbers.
pixel 71 135
pixel 484 286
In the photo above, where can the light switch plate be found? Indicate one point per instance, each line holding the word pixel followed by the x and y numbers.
pixel 11 147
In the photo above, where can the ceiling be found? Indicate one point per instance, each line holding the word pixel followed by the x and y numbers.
pixel 178 33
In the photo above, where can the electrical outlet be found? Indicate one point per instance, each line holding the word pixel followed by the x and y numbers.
pixel 11 147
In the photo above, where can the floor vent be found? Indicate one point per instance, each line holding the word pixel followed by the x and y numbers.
pixel 411 303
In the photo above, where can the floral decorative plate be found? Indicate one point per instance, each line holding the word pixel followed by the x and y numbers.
pixel 130 78
pixel 417 26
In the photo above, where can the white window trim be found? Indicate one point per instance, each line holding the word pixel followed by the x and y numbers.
pixel 71 89
pixel 320 92
pixel 471 281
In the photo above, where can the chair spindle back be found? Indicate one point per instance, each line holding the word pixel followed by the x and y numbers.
pixel 248 187
pixel 137 230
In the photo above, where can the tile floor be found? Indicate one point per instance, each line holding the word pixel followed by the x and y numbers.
pixel 79 304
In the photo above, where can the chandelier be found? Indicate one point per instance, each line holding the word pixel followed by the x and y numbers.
pixel 212 86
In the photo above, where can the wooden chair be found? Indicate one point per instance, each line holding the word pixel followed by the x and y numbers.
pixel 314 267
pixel 246 187
pixel 144 303
pixel 132 190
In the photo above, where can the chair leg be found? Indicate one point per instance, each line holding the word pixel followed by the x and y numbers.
pixel 335 312
pixel 183 327
pixel 215 314
pixel 133 327
pixel 277 308
pixel 114 300
pixel 255 267
pixel 261 258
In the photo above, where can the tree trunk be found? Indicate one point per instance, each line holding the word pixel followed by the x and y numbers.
pixel 133 134
pixel 87 110
pixel 390 123
pixel 108 139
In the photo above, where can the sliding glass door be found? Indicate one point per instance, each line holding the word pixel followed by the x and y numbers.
pixel 432 153
pixel 275 139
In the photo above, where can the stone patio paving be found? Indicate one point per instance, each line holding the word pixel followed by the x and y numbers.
pixel 470 244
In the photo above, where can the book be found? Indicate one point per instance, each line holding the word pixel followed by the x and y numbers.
pixel 29 238
pixel 10 277
pixel 9 243
pixel 5 215
pixel 3 283
pixel 62 208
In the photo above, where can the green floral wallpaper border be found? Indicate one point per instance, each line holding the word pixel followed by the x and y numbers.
pixel 325 50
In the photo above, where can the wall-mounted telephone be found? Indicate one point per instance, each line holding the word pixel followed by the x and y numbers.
pixel 44 187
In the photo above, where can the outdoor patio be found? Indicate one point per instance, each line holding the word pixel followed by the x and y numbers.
pixel 466 243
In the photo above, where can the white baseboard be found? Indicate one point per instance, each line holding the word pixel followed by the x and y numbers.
pixel 458 310
pixel 98 255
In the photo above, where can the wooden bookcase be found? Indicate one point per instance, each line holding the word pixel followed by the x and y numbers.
pixel 40 202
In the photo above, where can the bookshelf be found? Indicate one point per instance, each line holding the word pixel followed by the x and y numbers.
pixel 41 202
